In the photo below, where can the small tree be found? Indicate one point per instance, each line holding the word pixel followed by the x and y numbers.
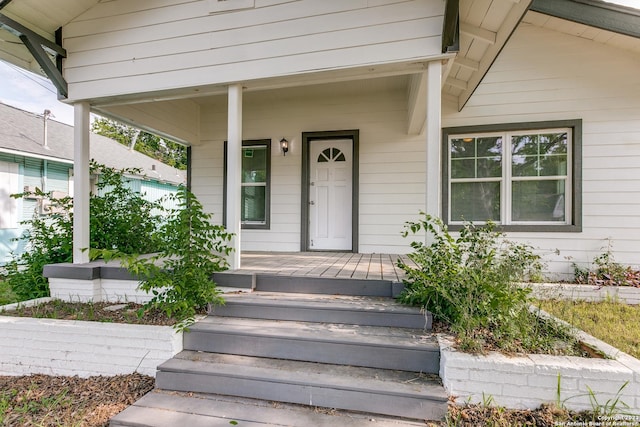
pixel 180 276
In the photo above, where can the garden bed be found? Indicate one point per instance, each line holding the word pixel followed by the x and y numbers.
pixel 529 381
pixel 83 348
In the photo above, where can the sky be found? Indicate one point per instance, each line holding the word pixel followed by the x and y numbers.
pixel 30 92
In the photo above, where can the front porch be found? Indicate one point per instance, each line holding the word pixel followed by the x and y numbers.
pixel 345 274
pixel 334 265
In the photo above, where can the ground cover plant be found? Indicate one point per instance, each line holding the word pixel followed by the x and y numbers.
pixel 469 283
pixel 605 271
pixel 107 312
pixel 612 322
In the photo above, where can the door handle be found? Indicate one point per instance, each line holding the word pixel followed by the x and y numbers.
pixel 311 202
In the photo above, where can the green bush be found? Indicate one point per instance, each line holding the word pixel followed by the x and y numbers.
pixel 469 283
pixel 120 219
pixel 179 276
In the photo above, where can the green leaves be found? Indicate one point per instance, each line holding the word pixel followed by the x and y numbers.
pixel 179 275
pixel 468 281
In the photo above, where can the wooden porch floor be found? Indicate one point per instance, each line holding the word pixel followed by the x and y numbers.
pixel 324 264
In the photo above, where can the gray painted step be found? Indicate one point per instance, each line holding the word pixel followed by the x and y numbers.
pixel 393 393
pixel 370 346
pixel 355 310
pixel 162 409
pixel 309 285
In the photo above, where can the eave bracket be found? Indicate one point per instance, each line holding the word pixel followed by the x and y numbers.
pixel 39 46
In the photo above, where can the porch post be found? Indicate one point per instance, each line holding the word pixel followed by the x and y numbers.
pixel 234 170
pixel 81 182
pixel 433 136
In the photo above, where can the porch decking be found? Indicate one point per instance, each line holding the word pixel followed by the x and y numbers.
pixel 324 264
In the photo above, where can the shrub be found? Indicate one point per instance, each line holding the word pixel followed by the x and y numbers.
pixel 469 283
pixel 120 219
pixel 180 276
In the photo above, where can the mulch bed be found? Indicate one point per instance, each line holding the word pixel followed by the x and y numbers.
pixel 42 400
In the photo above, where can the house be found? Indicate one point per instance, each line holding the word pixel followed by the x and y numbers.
pixel 37 152
pixel 324 125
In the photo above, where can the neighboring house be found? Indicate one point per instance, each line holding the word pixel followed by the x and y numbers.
pixel 523 112
pixel 30 160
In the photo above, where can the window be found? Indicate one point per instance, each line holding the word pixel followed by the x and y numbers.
pixel 256 162
pixel 523 176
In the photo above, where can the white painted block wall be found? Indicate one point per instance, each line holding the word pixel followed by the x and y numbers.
pixel 67 347
pixel 526 382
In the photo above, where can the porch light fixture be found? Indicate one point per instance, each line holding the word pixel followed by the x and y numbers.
pixel 284 146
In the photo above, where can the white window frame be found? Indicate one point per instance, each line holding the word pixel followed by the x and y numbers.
pixel 572 199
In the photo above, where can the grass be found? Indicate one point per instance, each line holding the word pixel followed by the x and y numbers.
pixel 7 296
pixel 612 322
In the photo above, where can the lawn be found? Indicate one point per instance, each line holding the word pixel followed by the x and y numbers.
pixel 612 322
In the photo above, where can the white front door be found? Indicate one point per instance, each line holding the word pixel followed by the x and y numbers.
pixel 330 194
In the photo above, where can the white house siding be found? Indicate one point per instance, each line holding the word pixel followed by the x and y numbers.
pixel 392 164
pixel 122 47
pixel 544 75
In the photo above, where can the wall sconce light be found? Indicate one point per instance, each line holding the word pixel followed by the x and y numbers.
pixel 284 146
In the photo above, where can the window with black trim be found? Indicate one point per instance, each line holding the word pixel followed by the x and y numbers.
pixel 521 176
pixel 256 164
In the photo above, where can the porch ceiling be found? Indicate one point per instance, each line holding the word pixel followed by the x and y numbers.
pixel 40 17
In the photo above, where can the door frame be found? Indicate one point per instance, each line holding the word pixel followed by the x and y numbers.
pixel 307 139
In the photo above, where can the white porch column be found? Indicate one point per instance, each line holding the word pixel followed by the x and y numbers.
pixel 81 182
pixel 234 170
pixel 433 135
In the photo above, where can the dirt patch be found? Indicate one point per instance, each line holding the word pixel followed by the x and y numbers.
pixel 545 416
pixel 42 400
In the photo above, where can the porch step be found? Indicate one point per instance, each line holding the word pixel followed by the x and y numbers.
pixel 309 285
pixel 370 346
pixel 170 409
pixel 354 310
pixel 393 393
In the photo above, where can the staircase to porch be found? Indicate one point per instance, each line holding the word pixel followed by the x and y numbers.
pixel 275 357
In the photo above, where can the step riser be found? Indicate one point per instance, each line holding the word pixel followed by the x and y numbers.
pixel 303 314
pixel 357 354
pixel 310 285
pixel 403 406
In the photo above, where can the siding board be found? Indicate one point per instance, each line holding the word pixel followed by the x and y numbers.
pixel 544 75
pixel 144 48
